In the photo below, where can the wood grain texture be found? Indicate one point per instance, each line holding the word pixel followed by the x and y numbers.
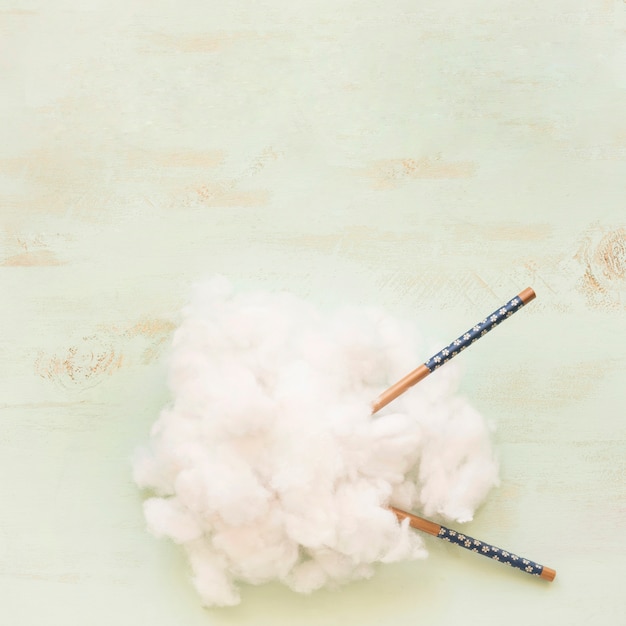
pixel 390 173
pixel 432 158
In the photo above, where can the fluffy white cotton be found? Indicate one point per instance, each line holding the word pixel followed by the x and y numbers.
pixel 268 464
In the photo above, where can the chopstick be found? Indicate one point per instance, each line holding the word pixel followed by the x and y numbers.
pixel 457 346
pixel 475 545
pixel 436 361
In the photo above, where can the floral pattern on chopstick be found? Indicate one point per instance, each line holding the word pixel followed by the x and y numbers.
pixel 474 333
pixel 497 554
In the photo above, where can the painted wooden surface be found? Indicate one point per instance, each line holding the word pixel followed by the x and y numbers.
pixel 434 158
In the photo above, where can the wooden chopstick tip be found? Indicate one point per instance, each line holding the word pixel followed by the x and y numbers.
pixel 547 573
pixel 419 523
pixel 527 295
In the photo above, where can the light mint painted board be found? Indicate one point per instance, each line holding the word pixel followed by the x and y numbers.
pixel 434 158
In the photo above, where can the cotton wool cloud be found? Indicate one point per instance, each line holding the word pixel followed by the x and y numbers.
pixel 268 465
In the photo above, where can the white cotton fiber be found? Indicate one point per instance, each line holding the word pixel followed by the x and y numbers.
pixel 268 464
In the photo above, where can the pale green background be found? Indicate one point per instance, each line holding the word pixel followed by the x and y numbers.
pixel 434 158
